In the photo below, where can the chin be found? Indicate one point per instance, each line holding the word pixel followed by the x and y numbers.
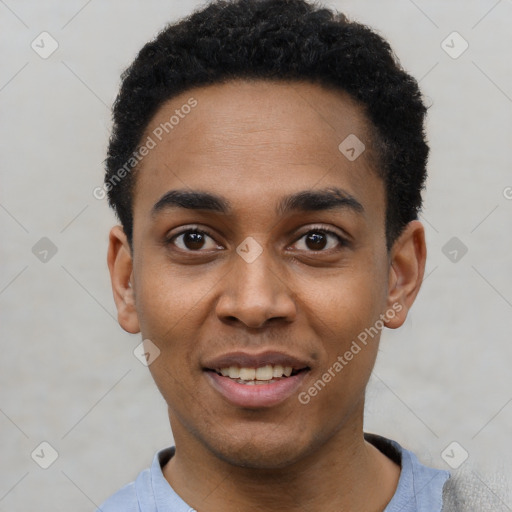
pixel 266 459
pixel 260 451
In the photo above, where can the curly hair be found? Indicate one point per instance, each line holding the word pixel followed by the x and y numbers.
pixel 288 40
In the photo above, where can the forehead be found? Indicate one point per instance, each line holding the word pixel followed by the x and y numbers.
pixel 256 141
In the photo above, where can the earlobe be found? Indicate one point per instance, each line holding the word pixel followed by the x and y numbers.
pixel 120 264
pixel 407 267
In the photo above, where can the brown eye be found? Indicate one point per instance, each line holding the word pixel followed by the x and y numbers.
pixel 320 240
pixel 316 241
pixel 193 240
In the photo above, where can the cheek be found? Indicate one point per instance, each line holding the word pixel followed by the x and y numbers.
pixel 168 301
pixel 345 315
pixel 350 346
pixel 347 303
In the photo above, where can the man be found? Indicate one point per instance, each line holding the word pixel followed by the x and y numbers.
pixel 266 165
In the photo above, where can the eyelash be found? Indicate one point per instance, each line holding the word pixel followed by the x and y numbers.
pixel 315 229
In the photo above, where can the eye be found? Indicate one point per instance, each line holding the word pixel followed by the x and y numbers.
pixel 320 239
pixel 193 240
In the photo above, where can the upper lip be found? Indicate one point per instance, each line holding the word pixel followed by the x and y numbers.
pixel 248 360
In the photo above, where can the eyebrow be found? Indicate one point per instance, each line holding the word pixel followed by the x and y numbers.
pixel 332 198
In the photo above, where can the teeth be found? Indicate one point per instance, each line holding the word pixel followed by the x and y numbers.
pixel 247 373
pixel 278 371
pixel 251 375
pixel 264 373
pixel 233 372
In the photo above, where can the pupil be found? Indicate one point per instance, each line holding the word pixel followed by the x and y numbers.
pixel 318 241
pixel 194 240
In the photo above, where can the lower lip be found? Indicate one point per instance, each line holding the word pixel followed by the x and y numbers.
pixel 258 395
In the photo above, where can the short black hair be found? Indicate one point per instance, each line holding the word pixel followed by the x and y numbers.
pixel 285 40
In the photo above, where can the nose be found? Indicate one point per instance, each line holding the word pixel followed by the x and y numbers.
pixel 254 294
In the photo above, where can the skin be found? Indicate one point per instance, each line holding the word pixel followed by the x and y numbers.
pixel 254 143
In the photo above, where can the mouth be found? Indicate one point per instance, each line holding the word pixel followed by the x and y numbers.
pixel 263 375
pixel 255 381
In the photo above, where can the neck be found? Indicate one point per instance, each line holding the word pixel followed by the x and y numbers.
pixel 345 474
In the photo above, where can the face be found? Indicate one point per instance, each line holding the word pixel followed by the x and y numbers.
pixel 258 250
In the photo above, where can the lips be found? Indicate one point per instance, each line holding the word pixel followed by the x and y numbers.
pixel 256 380
pixel 246 360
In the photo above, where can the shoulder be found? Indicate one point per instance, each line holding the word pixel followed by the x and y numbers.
pixel 467 489
pixel 419 487
pixel 124 500
pixel 139 495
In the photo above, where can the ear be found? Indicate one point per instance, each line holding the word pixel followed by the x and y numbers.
pixel 120 265
pixel 407 267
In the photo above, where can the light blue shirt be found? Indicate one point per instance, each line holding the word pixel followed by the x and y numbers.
pixel 419 487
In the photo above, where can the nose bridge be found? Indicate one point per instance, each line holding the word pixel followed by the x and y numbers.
pixel 253 291
pixel 255 276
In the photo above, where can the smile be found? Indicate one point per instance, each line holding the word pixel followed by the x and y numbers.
pixel 262 375
pixel 256 381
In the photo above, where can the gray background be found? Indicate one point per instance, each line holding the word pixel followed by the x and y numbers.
pixel 68 373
